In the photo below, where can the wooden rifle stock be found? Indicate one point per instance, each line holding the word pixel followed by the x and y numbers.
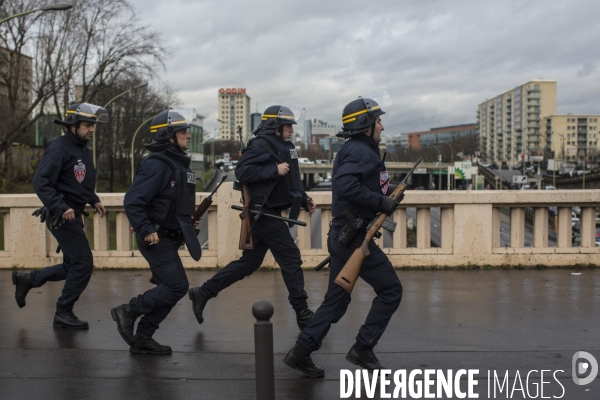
pixel 245 233
pixel 349 274
pixel 202 208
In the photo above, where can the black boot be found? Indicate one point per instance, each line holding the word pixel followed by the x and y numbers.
pixel 299 358
pixel 22 281
pixel 125 319
pixel 363 357
pixel 68 320
pixel 303 317
pixel 199 300
pixel 144 344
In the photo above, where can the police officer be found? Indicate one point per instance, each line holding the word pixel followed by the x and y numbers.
pixel 359 185
pixel 269 166
pixel 160 204
pixel 64 181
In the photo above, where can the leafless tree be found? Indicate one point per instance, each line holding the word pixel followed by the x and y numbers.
pixel 86 54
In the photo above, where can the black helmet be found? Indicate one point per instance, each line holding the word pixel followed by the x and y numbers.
pixel 79 112
pixel 359 115
pixel 165 125
pixel 276 116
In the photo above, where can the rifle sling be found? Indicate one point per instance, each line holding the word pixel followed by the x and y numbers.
pixel 267 147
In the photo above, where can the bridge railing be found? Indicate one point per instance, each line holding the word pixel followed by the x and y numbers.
pixel 469 231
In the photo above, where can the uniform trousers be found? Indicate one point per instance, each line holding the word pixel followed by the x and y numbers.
pixel 171 285
pixel 76 268
pixel 377 271
pixel 267 234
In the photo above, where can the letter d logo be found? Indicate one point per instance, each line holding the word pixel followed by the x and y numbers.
pixel 584 367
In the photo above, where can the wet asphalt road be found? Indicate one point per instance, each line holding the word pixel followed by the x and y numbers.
pixel 494 320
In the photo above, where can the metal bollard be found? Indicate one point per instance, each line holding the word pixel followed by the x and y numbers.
pixel 263 350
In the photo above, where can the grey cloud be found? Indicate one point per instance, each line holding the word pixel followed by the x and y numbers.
pixel 437 59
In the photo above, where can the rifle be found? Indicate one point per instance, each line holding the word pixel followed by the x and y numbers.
pixel 294 221
pixel 349 274
pixel 246 231
pixel 202 208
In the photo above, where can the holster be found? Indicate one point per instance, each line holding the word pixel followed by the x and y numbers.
pixel 351 228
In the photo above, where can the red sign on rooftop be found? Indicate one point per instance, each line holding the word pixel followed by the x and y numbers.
pixel 232 91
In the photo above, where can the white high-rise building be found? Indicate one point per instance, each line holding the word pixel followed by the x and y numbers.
pixel 234 111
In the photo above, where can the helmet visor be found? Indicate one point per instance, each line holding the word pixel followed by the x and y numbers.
pixel 181 116
pixel 290 113
pixel 86 110
pixel 376 101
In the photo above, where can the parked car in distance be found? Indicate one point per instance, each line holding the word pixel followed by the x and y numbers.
pixel 304 160
pixel 517 166
pixel 322 162
pixel 574 219
pixel 494 166
pixel 550 187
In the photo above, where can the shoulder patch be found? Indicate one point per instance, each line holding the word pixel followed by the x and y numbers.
pixel 79 171
pixel 293 153
pixel 384 181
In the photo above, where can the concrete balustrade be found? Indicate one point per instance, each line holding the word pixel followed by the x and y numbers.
pixel 469 232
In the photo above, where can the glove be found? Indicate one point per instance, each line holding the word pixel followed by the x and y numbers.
pixel 57 221
pixel 389 205
pixel 42 212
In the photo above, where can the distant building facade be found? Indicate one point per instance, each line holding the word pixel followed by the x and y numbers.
pixel 196 131
pixel 573 137
pixel 255 119
pixel 510 124
pixel 16 88
pixel 234 111
pixel 436 136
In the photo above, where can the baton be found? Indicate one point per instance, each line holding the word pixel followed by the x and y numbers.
pixel 238 208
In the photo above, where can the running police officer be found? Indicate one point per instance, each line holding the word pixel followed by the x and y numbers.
pixel 359 185
pixel 160 204
pixel 64 181
pixel 269 166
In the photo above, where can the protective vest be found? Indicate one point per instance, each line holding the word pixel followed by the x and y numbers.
pixel 173 208
pixel 287 189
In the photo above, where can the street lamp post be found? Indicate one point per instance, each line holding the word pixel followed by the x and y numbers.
pixel 451 152
pixel 47 7
pixel 141 85
pixel 132 148
pixel 439 169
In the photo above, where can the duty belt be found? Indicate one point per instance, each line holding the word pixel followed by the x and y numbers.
pixel 171 234
pixel 340 220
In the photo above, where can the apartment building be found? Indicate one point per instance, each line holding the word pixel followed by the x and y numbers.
pixel 573 138
pixel 234 111
pixel 510 124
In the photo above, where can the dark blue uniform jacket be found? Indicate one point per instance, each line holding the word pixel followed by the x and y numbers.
pixel 359 179
pixel 154 176
pixel 67 168
pixel 258 168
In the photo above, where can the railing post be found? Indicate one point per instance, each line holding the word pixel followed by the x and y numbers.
pixel 517 227
pixel 423 228
pixel 263 350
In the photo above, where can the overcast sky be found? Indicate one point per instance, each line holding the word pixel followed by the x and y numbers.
pixel 437 59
